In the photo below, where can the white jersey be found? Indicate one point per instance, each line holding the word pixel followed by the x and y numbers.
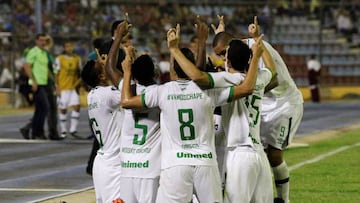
pixel 241 118
pixel 286 91
pixel 186 121
pixel 105 116
pixel 140 141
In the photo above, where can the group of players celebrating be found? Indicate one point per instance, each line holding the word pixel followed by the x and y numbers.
pixel 206 136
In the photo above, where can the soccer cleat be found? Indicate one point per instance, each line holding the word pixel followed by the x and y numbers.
pixel 63 135
pixel 25 133
pixel 278 200
pixel 57 136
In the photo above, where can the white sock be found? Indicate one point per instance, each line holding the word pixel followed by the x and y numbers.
pixel 281 176
pixel 62 118
pixel 74 121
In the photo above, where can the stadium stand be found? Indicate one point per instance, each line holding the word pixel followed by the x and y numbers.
pixel 295 27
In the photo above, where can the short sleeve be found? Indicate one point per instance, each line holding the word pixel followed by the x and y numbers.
pixel 265 75
pixel 31 56
pixel 150 98
pixel 221 96
pixel 225 79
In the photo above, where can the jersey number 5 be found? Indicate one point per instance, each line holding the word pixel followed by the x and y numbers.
pixel 144 128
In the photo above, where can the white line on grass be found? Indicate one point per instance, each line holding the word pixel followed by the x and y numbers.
pixel 322 156
pixel 34 190
pixel 63 194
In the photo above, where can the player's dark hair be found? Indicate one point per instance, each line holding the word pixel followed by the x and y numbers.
pixel 114 26
pixel 239 55
pixel 42 34
pixel 89 74
pixel 143 70
pixel 190 56
pixel 222 37
pixel 97 42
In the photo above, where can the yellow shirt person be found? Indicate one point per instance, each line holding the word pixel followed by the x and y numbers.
pixel 68 67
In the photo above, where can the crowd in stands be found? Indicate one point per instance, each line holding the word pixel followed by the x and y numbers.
pixel 83 23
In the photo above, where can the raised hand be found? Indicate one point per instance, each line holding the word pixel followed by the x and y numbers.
pixel 254 29
pixel 122 30
pixel 257 47
pixel 173 37
pixel 101 58
pixel 220 27
pixel 130 53
pixel 201 30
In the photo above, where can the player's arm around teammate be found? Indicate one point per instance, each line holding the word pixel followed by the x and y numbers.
pixel 202 78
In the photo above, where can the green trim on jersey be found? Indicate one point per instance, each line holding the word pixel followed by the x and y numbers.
pixel 211 79
pixel 231 94
pixel 272 73
pixel 143 100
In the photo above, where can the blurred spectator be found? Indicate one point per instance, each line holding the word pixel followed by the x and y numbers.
pixel 314 67
pixel 164 68
pixel 5 74
pixel 22 81
pixel 344 24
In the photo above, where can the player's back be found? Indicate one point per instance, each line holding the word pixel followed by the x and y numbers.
pixel 141 141
pixel 286 91
pixel 106 117
pixel 186 122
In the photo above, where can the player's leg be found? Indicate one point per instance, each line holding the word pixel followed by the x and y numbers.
pixel 281 173
pixel 146 189
pixel 176 184
pixel 207 184
pixel 74 102
pixel 53 113
pixel 98 179
pixel 127 189
pixel 63 105
pixel 263 191
pixel 241 175
pixel 278 130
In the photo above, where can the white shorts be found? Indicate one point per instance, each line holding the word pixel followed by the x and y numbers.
pixel 248 176
pixel 106 178
pixel 139 189
pixel 278 127
pixel 178 183
pixel 68 98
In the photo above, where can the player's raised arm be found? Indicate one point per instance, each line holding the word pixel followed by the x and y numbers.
pixel 221 25
pixel 201 33
pixel 247 86
pixel 128 100
pixel 200 77
pixel 254 29
pixel 254 32
pixel 112 72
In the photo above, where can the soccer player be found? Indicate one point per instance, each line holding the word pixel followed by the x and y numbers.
pixel 188 151
pixel 140 141
pixel 103 108
pixel 248 172
pixel 281 114
pixel 68 67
